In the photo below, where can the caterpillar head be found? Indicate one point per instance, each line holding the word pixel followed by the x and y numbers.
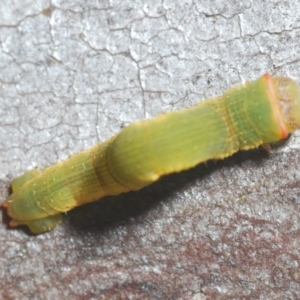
pixel 288 96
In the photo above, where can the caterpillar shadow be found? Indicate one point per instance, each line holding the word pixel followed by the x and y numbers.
pixel 124 209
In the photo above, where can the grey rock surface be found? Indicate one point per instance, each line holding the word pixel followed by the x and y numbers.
pixel 73 73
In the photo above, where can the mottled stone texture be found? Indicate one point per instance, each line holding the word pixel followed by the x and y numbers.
pixel 73 73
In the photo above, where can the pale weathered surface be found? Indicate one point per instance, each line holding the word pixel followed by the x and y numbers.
pixel 73 73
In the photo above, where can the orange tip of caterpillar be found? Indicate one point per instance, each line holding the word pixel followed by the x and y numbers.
pixel 4 204
pixel 273 96
pixel 13 223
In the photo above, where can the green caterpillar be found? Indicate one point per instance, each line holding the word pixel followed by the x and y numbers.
pixel 256 113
